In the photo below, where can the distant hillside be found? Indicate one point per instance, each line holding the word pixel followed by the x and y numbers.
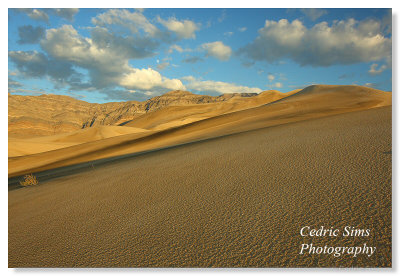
pixel 30 116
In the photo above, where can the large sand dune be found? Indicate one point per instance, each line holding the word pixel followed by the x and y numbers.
pixel 312 102
pixel 170 116
pixel 233 201
pixel 173 116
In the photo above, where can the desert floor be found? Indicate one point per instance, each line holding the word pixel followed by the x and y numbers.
pixel 238 200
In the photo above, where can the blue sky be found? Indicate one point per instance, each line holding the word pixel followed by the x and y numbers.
pixel 102 55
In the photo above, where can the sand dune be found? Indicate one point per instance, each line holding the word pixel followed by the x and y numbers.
pixel 164 118
pixel 20 147
pixel 173 116
pixel 312 102
pixel 235 201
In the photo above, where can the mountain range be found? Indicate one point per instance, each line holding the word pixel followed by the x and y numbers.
pixel 33 116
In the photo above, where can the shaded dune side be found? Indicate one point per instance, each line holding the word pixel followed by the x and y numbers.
pixel 20 147
pixel 312 102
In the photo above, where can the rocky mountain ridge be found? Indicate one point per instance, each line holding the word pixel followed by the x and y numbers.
pixel 30 116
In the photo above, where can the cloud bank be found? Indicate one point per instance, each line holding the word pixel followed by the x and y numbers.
pixel 342 42
pixel 106 57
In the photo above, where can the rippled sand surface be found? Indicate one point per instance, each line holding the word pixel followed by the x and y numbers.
pixel 238 200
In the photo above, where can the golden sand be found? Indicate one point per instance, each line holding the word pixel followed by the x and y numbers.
pixel 235 195
pixel 312 102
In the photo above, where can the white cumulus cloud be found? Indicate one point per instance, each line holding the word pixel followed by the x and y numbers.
pixel 147 79
pixel 217 86
pixel 218 50
pixel 183 29
pixel 134 21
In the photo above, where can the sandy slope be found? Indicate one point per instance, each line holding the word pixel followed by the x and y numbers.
pixel 158 120
pixel 238 200
pixel 19 147
pixel 312 102
pixel 173 116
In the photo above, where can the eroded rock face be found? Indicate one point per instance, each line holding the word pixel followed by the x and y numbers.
pixel 30 116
